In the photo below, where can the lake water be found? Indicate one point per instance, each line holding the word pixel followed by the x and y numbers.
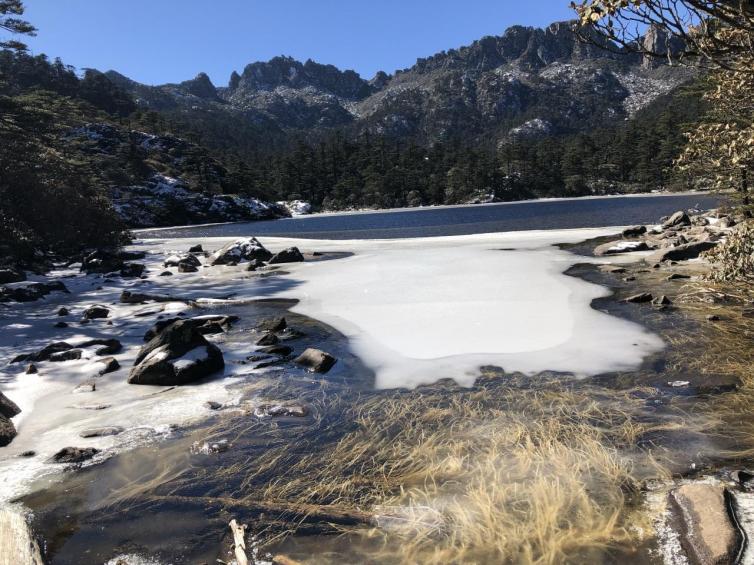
pixel 459 220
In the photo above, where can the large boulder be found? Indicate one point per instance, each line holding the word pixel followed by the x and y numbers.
pixel 185 259
pixel 10 275
pixel 290 255
pixel 102 261
pixel 7 431
pixel 8 408
pixel 132 270
pixel 680 252
pixel 634 231
pixel 96 312
pixel 315 360
pixel 210 324
pixel 707 533
pixel 29 291
pixel 680 218
pixel 177 355
pixel 43 354
pixel 245 249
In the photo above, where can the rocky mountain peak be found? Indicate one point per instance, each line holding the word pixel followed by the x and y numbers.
pixel 200 86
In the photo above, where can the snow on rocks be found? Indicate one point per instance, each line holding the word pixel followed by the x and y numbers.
pixel 614 247
pixel 296 207
pixel 244 249
pixel 27 291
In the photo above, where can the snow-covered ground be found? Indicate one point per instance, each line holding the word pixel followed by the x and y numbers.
pixel 415 311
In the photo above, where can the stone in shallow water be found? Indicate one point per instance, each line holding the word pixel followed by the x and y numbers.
pixel 74 454
pixel 708 534
pixel 268 339
pixel 101 432
pixel 316 361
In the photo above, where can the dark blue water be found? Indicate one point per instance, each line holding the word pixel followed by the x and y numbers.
pixel 459 220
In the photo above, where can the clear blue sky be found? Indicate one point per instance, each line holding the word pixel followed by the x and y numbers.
pixel 158 41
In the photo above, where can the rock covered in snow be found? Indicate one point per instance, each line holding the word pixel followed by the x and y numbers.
pixel 177 355
pixel 620 246
pixel 296 207
pixel 29 291
pixel 244 249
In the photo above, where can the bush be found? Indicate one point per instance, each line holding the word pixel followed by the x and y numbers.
pixel 733 260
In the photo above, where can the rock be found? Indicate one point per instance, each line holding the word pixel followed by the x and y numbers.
pixel 29 453
pixel 707 533
pixel 245 249
pixel 273 325
pixel 204 324
pixel 678 276
pixel 11 276
pixel 282 350
pixel 662 301
pixel 63 311
pixel 614 269
pixel 743 477
pixel 101 261
pixel 255 264
pixel 110 365
pixel 184 267
pixel 186 258
pixel 7 431
pixel 277 410
pixel 268 339
pixel 96 312
pixel 634 231
pixel 177 355
pixel 109 346
pixel 680 218
pixel 713 318
pixel 620 246
pixel 629 279
pixel 290 255
pixel 128 297
pixel 166 274
pixel 32 369
pixel 196 249
pixel 74 455
pixel 101 432
pixel 212 405
pixel 44 353
pixel 639 298
pixel 60 324
pixel 315 360
pixel 29 291
pixel 8 408
pixel 680 252
pixel 86 386
pixel 132 270
pixel 68 355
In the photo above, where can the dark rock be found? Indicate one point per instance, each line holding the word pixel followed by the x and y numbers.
pixel 680 252
pixel 629 279
pixel 278 410
pixel 255 264
pixel 102 432
pixel 707 533
pixel 29 291
pixel 132 270
pixel 639 298
pixel 196 249
pixel 678 276
pixel 268 339
pixel 273 325
pixel 184 267
pixel 128 297
pixel 680 218
pixel 315 360
pixel 713 318
pixel 8 408
pixel 177 355
pixel 29 453
pixel 186 258
pixel 634 231
pixel 101 261
pixel 662 301
pixel 96 312
pixel 63 311
pixel 212 405
pixel 74 455
pixel 282 350
pixel 44 353
pixel 60 324
pixel 109 345
pixel 69 355
pixel 289 334
pixel 7 431
pixel 32 369
pixel 743 477
pixel 245 249
pixel 166 274
pixel 110 365
pixel 614 269
pixel 290 255
pixel 204 324
pixel 11 276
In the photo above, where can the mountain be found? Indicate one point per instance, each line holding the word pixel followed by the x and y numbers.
pixel 526 82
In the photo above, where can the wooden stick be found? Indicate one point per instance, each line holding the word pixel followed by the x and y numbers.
pixel 239 542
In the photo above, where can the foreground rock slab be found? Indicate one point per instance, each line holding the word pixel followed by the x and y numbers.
pixel 708 533
pixel 17 545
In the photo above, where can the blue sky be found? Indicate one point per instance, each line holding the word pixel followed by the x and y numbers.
pixel 157 41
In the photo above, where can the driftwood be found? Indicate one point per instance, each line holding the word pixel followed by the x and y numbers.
pixel 17 546
pixel 299 513
pixel 239 542
pixel 284 560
